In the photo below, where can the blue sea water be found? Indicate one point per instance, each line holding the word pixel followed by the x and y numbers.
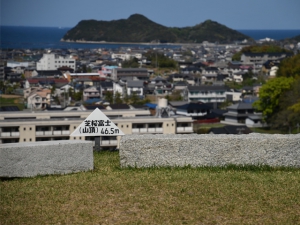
pixel 21 37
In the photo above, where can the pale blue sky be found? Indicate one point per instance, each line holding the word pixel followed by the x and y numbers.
pixel 235 14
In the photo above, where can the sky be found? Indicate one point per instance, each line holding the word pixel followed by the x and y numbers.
pixel 235 14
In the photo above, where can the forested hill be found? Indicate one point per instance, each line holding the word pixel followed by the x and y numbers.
pixel 138 28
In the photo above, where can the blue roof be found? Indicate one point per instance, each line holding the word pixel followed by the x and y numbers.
pixel 151 105
pixel 111 67
pixel 92 100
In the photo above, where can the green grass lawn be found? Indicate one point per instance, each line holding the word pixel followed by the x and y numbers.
pixel 111 195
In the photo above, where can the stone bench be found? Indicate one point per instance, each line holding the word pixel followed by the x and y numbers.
pixel 47 157
pixel 210 150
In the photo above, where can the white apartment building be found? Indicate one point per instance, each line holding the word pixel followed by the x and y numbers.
pixel 126 56
pixel 53 62
pixel 205 93
pixel 58 125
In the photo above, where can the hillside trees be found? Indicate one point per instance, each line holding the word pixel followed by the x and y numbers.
pixel 289 67
pixel 279 98
pixel 289 108
pixel 132 63
pixel 160 60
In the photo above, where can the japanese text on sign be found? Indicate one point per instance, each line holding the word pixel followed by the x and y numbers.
pixel 97 123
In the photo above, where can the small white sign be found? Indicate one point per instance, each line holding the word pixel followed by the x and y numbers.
pixel 97 124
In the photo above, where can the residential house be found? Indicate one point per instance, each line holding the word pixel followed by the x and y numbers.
pixel 180 85
pixel 209 74
pixel 158 86
pixel 233 95
pixel 190 78
pixel 194 110
pixel 119 87
pixel 255 121
pixel 238 113
pixel 29 83
pixel 91 93
pixel 135 86
pixel 105 87
pixel 38 99
pixel 191 69
pixel 106 71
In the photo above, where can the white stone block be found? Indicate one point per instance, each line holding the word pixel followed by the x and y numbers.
pixel 29 159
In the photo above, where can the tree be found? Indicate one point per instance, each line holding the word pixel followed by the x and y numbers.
pixel 109 97
pixel 118 99
pixel 289 109
pixel 53 90
pixel 2 86
pixel 279 98
pixel 269 96
pixel 125 96
pixel 289 67
pixel 134 98
pixel 77 96
pixel 160 60
pixel 132 63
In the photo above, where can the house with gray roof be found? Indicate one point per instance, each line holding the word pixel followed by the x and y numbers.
pixel 135 86
pixel 237 114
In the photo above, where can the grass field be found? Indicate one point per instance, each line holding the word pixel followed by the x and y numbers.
pixel 111 195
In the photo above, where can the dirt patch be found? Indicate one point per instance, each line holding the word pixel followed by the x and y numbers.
pixel 11 96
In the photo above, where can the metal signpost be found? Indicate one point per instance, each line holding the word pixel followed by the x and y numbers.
pixel 97 124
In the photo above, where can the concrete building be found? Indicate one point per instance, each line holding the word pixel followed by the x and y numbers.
pixel 58 125
pixel 205 93
pixel 260 58
pixel 130 74
pixel 53 62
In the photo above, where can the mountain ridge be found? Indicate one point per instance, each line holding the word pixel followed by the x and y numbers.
pixel 138 28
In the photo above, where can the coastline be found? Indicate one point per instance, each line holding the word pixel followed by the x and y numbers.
pixel 124 43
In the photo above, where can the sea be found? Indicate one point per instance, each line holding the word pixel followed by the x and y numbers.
pixel 23 37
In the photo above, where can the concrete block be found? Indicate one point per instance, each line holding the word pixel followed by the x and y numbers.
pixel 210 150
pixel 29 159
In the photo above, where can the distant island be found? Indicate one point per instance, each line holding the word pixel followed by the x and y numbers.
pixel 139 29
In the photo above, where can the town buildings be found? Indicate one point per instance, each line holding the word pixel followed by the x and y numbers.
pixel 54 61
pixel 199 79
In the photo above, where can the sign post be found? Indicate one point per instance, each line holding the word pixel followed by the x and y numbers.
pixel 97 124
pixel 97 144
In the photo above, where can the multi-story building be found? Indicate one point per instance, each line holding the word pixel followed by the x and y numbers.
pixel 205 93
pixel 260 58
pixel 58 125
pixel 53 62
pixel 130 74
